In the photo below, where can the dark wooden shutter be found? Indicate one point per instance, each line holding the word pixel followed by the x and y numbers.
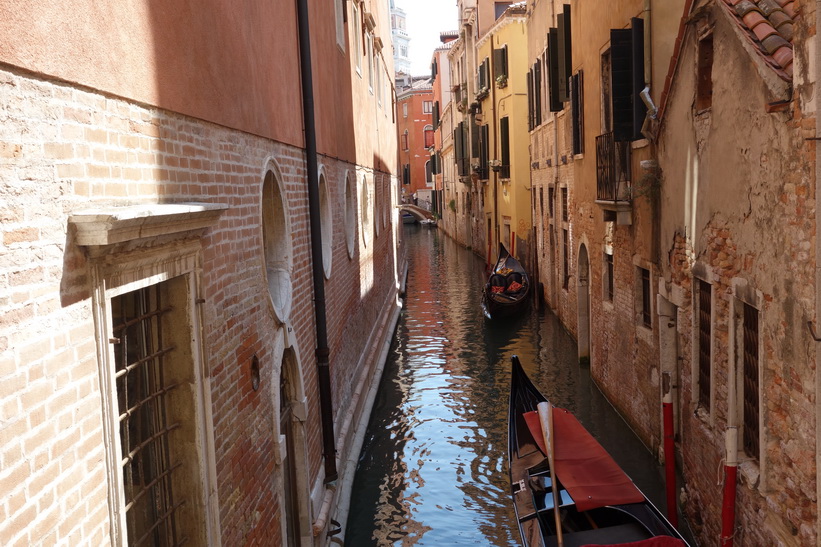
pixel 474 137
pixel 562 69
pixel 577 111
pixel 621 77
pixel 457 138
pixel 553 70
pixel 639 108
pixel 484 152
pixel 504 139
pixel 537 93
pixel 531 111
pixel 500 62
pixel 435 115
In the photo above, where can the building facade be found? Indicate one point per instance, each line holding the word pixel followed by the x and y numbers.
pixel 178 359
pixel 416 140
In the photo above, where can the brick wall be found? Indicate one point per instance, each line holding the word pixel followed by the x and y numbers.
pixel 64 149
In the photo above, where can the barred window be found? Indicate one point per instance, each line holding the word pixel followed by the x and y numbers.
pixel 644 281
pixel 751 386
pixel 608 277
pixel 704 337
pixel 150 366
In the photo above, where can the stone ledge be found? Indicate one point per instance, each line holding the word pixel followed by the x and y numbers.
pixel 120 224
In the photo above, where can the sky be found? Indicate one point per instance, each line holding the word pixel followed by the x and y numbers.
pixel 425 19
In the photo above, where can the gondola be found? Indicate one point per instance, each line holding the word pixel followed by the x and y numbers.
pixel 598 503
pixel 507 288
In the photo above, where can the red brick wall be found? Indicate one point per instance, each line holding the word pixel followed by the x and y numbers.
pixel 63 150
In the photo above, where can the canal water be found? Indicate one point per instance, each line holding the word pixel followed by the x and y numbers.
pixel 433 465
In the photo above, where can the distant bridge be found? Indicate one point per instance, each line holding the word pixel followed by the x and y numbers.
pixel 418 212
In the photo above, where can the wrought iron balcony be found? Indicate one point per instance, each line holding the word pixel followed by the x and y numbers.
pixel 612 169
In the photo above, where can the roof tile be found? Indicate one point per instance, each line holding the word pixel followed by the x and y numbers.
pixel 769 26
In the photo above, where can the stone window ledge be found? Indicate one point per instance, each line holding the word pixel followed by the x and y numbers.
pixel 114 225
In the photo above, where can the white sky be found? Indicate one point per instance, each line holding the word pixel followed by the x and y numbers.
pixel 425 20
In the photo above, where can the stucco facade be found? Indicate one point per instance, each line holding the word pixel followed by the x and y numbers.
pixel 154 173
pixel 415 127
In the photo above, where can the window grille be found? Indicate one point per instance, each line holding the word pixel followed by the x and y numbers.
pixel 145 420
pixel 608 290
pixel 646 317
pixel 565 212
pixel 566 257
pixel 704 335
pixel 751 410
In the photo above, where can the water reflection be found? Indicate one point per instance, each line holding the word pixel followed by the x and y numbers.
pixel 433 466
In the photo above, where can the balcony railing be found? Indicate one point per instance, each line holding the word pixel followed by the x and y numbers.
pixel 612 169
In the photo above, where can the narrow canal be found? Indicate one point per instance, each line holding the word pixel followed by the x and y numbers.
pixel 433 465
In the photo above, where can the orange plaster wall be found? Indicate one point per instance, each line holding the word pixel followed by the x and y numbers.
pixel 231 62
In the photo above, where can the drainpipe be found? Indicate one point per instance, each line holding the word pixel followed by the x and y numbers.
pixel 322 351
pixel 730 473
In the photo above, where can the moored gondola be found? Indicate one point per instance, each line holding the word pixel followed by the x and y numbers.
pixel 507 288
pixel 598 503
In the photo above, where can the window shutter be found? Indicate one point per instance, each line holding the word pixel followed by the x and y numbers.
pixel 562 69
pixel 436 115
pixel 537 93
pixel 500 62
pixel 565 51
pixel 484 149
pixel 553 70
pixel 504 138
pixel 474 137
pixel 639 108
pixel 457 138
pixel 621 76
pixel 577 112
pixel 531 114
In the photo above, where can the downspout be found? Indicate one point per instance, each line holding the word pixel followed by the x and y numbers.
pixel 322 351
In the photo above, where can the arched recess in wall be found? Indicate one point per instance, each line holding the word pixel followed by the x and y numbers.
pixel 350 212
pixel 583 303
pixel 326 220
pixel 292 454
pixel 276 242
pixel 377 204
pixel 365 208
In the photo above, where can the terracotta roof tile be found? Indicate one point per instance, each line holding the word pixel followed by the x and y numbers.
pixel 769 26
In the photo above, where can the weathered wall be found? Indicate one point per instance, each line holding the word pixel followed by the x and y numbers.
pixel 738 202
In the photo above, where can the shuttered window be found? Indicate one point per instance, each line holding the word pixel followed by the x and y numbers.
pixel 627 80
pixel 751 386
pixel 484 152
pixel 531 116
pixel 554 101
pixel 500 62
pixel 504 138
pixel 577 111
pixel 537 93
pixel 564 45
pixel 646 316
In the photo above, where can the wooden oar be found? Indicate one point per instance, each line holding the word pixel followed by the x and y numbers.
pixel 546 419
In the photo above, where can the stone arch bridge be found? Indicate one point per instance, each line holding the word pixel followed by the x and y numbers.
pixel 416 211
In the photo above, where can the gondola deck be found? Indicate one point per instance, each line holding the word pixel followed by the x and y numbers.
pixel 598 503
